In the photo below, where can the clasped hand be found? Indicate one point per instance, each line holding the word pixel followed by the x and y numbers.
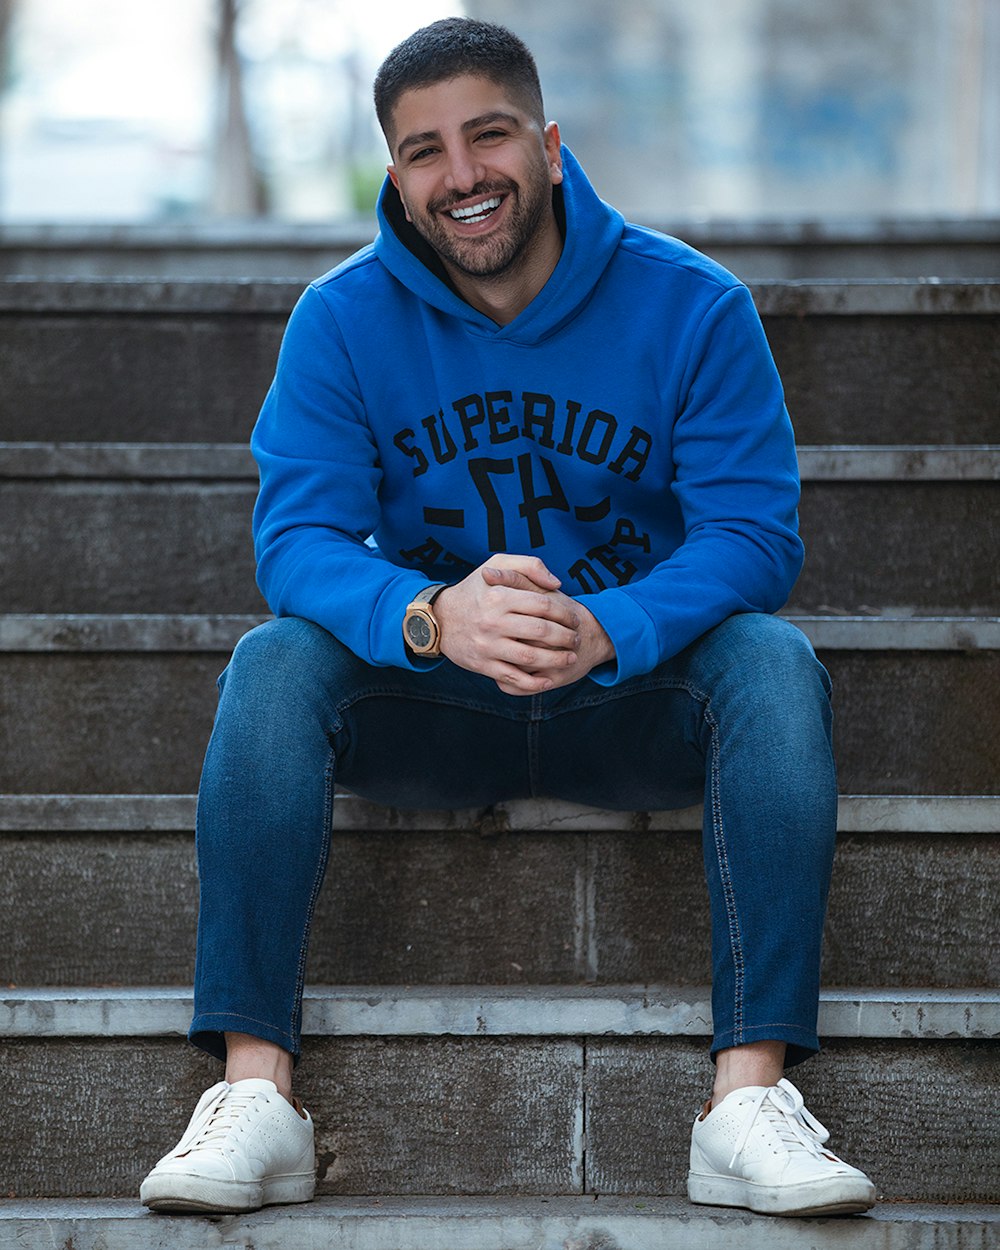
pixel 510 621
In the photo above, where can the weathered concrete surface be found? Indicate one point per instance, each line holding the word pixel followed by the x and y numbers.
pixel 921 1120
pixel 175 813
pixel 179 377
pixel 871 379
pixel 189 362
pixel 394 1116
pixel 629 1011
pixel 420 908
pixel 127 547
pixel 438 1115
pixel 106 724
pixel 930 546
pixel 219 462
pixel 904 910
pixel 923 734
pixel 88 632
pixel 908 722
pixel 185 546
pixel 585 1223
pixel 858 248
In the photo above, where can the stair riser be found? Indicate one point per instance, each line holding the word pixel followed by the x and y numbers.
pixel 536 908
pixel 482 1116
pixel 169 378
pixel 191 374
pixel 868 379
pixel 186 547
pixel 907 722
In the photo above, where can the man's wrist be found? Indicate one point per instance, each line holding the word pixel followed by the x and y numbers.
pixel 594 638
pixel 421 628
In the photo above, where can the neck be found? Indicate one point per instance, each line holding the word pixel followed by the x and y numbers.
pixel 504 296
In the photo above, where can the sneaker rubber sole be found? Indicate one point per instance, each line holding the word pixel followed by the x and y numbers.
pixel 833 1195
pixel 182 1193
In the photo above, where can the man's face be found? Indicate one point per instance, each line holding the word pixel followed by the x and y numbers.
pixel 475 173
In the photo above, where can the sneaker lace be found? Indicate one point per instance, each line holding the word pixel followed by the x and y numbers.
pixel 783 1107
pixel 223 1116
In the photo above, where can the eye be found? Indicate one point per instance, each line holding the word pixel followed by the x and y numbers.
pixel 421 154
pixel 492 134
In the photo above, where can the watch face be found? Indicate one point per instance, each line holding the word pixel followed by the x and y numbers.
pixel 418 631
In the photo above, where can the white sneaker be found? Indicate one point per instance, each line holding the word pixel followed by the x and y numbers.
pixel 245 1147
pixel 760 1148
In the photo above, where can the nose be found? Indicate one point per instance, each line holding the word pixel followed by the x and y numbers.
pixel 464 171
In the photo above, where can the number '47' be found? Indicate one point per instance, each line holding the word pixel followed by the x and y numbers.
pixel 483 471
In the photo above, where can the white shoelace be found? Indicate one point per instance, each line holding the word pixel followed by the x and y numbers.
pixel 221 1117
pixel 785 1110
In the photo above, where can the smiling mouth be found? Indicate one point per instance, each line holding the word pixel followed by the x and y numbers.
pixel 476 213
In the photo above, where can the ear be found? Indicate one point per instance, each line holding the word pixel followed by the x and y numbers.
pixel 394 179
pixel 553 151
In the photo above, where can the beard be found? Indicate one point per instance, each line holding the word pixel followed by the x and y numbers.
pixel 496 254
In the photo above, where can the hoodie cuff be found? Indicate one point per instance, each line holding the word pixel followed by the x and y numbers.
pixel 632 635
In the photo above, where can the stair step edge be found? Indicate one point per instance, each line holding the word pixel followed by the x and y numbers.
pixel 184 632
pixel 477 1011
pixel 115 461
pixel 175 813
pixel 641 1223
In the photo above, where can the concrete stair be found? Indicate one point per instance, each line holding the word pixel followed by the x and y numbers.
pixel 189 361
pixel 508 1009
pixel 589 1223
pixel 778 250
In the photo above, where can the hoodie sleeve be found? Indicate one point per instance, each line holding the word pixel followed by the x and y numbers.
pixel 736 481
pixel 318 499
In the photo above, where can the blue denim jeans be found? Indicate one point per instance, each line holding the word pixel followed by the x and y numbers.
pixel 741 719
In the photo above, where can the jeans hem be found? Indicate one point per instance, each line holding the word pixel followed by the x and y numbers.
pixel 208 1029
pixel 801 1043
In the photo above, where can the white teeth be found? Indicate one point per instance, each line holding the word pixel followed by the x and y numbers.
pixel 478 212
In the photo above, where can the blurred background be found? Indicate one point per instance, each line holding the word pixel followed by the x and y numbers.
pixel 197 111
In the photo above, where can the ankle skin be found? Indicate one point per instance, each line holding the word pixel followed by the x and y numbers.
pixel 249 1057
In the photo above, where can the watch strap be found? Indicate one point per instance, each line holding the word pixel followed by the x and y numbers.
pixel 429 593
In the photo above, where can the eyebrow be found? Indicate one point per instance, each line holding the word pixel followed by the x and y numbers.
pixel 474 123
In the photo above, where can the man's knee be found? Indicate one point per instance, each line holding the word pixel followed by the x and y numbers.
pixel 282 656
pixel 767 650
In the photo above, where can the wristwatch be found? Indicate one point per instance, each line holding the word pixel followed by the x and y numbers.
pixel 421 631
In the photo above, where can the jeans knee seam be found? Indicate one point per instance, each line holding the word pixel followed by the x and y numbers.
pixel 725 877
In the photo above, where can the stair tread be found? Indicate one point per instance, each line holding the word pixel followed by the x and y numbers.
pixel 641 1223
pixel 164 631
pixel 515 1011
pixel 233 461
pixel 175 813
pixel 928 296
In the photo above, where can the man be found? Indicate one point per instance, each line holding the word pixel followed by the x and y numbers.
pixel 568 439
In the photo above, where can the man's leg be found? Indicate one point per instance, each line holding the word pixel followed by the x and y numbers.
pixel 769 833
pixel 297 713
pixel 262 837
pixel 743 715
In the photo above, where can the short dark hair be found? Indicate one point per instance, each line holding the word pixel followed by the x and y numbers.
pixel 450 48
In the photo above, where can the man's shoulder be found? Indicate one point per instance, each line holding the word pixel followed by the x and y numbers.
pixel 666 253
pixel 354 291
pixel 361 267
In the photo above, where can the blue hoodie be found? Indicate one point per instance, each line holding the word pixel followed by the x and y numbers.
pixel 628 427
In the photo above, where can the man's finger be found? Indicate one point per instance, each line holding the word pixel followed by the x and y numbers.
pixel 519 572
pixel 513 680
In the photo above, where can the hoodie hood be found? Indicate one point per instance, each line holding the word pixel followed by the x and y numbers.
pixel 592 231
